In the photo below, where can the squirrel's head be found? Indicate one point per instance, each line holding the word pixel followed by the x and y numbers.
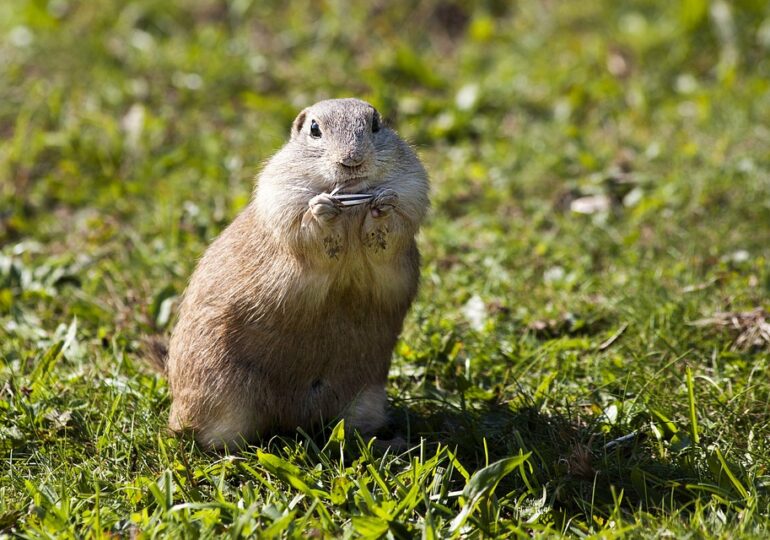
pixel 344 143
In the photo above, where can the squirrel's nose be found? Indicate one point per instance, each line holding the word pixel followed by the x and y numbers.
pixel 352 160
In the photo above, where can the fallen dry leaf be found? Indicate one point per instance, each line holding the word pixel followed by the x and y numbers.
pixel 752 327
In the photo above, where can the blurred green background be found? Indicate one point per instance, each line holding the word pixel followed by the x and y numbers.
pixel 125 106
pixel 601 224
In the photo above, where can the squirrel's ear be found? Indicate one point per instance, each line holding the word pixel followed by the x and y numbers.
pixel 296 127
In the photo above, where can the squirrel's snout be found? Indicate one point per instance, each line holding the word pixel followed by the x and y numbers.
pixel 355 155
pixel 354 158
pixel 352 161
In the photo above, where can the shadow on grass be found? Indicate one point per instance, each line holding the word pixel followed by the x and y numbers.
pixel 582 470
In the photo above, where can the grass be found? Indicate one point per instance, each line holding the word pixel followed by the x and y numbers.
pixel 589 351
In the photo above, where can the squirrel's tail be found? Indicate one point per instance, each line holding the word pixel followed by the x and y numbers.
pixel 155 349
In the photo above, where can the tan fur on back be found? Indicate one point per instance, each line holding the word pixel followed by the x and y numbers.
pixel 291 316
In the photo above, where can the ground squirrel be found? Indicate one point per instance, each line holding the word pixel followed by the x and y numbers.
pixel 291 316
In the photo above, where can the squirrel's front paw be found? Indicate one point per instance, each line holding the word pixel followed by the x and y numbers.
pixel 383 202
pixel 323 208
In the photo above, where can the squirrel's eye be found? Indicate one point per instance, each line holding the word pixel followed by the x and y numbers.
pixel 315 131
pixel 375 123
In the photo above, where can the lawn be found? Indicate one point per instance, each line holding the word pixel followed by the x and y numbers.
pixel 590 348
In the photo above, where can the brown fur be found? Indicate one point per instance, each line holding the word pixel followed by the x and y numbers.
pixel 292 314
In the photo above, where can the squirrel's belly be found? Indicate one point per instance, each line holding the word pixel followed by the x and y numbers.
pixel 326 358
